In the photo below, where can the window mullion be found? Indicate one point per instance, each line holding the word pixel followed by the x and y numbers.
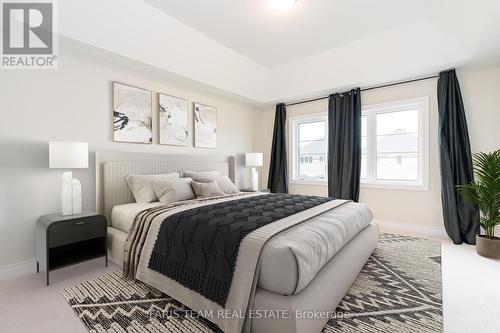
pixel 371 146
pixel 297 150
pixel 326 146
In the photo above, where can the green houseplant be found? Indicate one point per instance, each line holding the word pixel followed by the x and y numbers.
pixel 484 192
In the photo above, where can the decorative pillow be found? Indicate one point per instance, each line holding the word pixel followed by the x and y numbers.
pixel 225 184
pixel 173 190
pixel 141 188
pixel 206 190
pixel 195 175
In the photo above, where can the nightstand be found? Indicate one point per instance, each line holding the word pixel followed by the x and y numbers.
pixel 62 241
pixel 252 190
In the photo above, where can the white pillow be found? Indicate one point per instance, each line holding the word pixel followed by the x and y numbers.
pixel 226 185
pixel 201 174
pixel 141 188
pixel 173 190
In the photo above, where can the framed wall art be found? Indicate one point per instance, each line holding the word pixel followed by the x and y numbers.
pixel 173 120
pixel 205 126
pixel 132 116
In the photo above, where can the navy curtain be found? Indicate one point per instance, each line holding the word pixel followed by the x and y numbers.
pixel 344 145
pixel 460 218
pixel 278 169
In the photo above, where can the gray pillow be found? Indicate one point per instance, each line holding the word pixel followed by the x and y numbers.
pixel 173 190
pixel 225 184
pixel 141 188
pixel 206 190
pixel 195 175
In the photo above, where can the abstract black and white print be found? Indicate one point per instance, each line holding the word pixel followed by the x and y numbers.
pixel 132 121
pixel 173 120
pixel 205 126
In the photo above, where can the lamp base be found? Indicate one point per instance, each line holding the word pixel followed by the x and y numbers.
pixel 71 195
pixel 254 179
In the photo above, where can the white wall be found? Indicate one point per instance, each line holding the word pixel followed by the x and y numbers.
pixel 481 93
pixel 74 103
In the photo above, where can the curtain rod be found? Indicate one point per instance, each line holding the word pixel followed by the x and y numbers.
pixel 368 88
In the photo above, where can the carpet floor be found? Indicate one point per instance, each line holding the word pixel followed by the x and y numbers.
pixel 398 290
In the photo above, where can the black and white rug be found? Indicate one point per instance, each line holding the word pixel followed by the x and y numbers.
pixel 398 290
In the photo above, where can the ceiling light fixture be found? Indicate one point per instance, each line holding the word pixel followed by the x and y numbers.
pixel 281 5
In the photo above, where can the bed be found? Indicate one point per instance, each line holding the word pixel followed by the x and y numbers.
pixel 306 265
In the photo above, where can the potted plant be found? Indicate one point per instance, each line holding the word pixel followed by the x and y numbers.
pixel 484 192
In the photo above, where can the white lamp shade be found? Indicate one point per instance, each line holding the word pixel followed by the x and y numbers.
pixel 68 155
pixel 254 159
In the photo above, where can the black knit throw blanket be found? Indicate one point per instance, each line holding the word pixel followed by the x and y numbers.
pixel 198 247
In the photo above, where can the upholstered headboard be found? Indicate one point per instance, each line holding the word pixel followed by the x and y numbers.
pixel 113 167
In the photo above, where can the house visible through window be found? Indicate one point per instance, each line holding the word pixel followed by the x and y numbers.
pixel 394 144
pixel 394 150
pixel 309 148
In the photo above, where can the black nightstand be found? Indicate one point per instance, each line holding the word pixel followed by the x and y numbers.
pixel 252 190
pixel 62 241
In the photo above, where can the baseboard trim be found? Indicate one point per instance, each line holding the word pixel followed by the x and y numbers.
pixel 416 229
pixel 17 269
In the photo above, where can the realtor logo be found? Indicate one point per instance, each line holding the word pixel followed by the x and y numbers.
pixel 28 39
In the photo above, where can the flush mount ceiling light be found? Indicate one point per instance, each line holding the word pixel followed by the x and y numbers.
pixel 281 5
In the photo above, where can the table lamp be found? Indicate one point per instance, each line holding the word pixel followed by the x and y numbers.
pixel 254 160
pixel 69 155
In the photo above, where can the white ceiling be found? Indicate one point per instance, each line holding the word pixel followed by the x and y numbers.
pixel 273 38
pixel 319 46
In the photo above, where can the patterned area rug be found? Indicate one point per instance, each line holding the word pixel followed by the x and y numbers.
pixel 398 290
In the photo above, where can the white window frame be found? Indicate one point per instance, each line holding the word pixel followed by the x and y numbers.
pixel 293 147
pixel 370 111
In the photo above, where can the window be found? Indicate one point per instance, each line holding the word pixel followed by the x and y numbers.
pixel 394 149
pixel 308 157
pixel 394 146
